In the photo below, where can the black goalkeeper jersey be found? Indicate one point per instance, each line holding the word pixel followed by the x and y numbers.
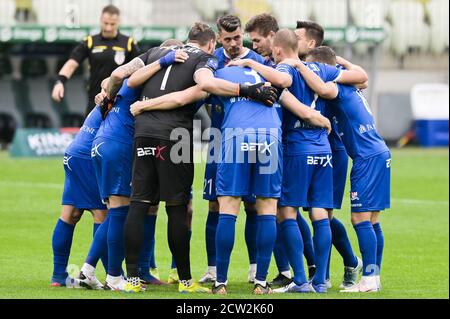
pixel 177 77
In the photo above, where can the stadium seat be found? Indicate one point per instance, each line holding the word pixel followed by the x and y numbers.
pixel 7 8
pixel 51 12
pixel 330 13
pixel 368 13
pixel 439 25
pixel 5 65
pixel 174 13
pixel 408 26
pixel 90 10
pixel 7 101
pixel 8 127
pixel 135 13
pixel 246 9
pixel 288 12
pixel 210 10
pixel 71 109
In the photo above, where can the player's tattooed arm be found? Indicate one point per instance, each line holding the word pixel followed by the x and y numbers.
pixel 325 90
pixel 275 77
pixel 169 101
pixel 119 74
pixel 313 117
pixel 143 74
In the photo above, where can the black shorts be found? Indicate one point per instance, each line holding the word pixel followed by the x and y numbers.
pixel 155 177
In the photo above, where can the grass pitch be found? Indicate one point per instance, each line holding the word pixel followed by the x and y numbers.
pixel 415 262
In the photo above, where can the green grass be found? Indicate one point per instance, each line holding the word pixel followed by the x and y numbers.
pixel 415 263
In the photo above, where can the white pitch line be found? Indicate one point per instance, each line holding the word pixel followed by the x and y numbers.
pixel 412 201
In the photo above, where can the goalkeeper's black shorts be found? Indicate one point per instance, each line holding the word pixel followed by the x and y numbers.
pixel 156 177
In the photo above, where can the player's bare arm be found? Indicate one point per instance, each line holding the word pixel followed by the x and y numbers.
pixel 64 74
pixel 169 101
pixel 277 78
pixel 143 74
pixel 324 90
pixel 353 75
pixel 119 74
pixel 313 117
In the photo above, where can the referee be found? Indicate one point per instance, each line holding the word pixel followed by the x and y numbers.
pixel 105 51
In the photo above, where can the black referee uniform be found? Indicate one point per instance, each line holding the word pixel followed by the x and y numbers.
pixel 105 55
pixel 155 176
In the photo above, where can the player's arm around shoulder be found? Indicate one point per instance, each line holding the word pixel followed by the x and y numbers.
pixel 353 74
pixel 274 76
pixel 326 90
pixel 290 102
pixel 169 101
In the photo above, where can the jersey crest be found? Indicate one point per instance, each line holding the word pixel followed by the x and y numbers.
pixel 119 57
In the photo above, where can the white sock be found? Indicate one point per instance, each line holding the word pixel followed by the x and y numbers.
pixel 217 284
pixel 261 282
pixel 212 270
pixel 113 280
pixel 286 274
pixel 88 269
pixel 253 267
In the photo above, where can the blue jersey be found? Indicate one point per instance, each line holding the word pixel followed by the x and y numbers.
pixel 334 137
pixel 119 124
pixel 356 123
pixel 224 59
pixel 245 114
pixel 81 145
pixel 299 137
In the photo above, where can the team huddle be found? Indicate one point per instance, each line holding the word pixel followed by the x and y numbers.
pixel 285 118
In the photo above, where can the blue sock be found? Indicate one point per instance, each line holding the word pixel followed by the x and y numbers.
pixel 61 244
pixel 308 246
pixel 327 275
pixel 293 244
pixel 265 239
pixel 174 264
pixel 251 228
pixel 226 228
pixel 104 258
pixel 368 246
pixel 210 237
pixel 116 239
pixel 280 253
pixel 148 245
pixel 342 243
pixel 380 244
pixel 322 245
pixel 99 246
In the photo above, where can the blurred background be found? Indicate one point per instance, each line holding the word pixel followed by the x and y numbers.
pixel 403 44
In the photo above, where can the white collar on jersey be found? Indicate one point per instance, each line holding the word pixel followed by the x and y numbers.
pixel 246 51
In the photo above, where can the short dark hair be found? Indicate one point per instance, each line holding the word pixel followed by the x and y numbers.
pixel 111 9
pixel 201 33
pixel 171 42
pixel 286 39
pixel 262 23
pixel 313 31
pixel 229 23
pixel 323 54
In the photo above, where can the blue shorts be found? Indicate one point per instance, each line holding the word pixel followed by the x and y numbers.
pixel 112 162
pixel 250 164
pixel 209 186
pixel 370 180
pixel 340 167
pixel 307 181
pixel 80 185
